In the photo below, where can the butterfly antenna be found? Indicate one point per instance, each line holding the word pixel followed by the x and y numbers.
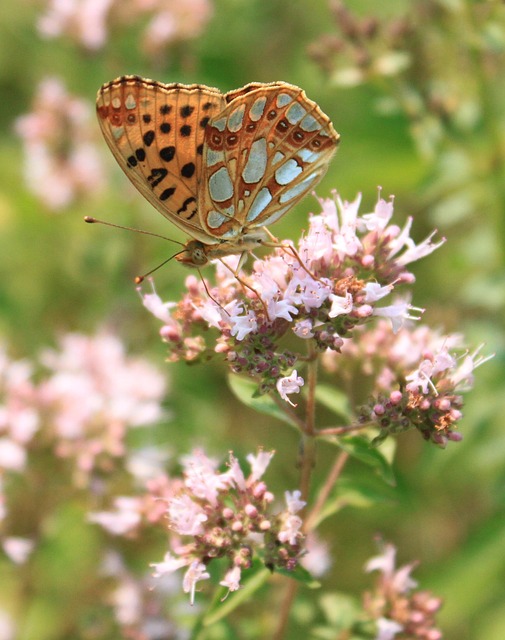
pixel 140 279
pixel 91 220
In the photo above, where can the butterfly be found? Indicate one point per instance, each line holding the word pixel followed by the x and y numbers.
pixel 221 167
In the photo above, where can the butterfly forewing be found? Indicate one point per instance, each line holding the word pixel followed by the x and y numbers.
pixel 268 147
pixel 156 133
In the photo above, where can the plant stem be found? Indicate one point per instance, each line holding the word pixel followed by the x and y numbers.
pixel 322 496
pixel 289 597
pixel 308 443
pixel 307 462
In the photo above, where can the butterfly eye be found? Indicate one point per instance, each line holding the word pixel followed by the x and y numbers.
pixel 298 136
pixel 131 118
pixel 232 140
pixel 271 114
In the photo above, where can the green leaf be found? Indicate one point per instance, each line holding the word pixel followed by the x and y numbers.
pixel 245 389
pixel 355 493
pixel 249 586
pixel 301 575
pixel 335 400
pixel 257 575
pixel 379 460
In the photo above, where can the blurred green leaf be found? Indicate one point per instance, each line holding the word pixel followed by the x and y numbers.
pixel 360 448
pixel 301 575
pixel 257 575
pixel 354 492
pixel 245 389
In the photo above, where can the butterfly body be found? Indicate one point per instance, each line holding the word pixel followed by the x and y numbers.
pixel 218 166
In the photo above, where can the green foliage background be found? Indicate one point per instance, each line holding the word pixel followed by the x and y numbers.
pixel 60 275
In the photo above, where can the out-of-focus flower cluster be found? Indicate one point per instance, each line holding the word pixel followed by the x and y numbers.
pixel 94 393
pixel 141 611
pixel 86 396
pixel 362 47
pixel 416 377
pixel 61 159
pixel 64 419
pixel 228 515
pixel 88 22
pixel 333 282
pixel 430 63
pixel 400 611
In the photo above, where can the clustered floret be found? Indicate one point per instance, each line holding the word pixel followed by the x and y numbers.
pixel 320 291
pixel 227 515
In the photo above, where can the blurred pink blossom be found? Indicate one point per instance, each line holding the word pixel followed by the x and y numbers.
pixel 124 519
pixel 93 394
pixel 90 394
pixel 395 605
pixel 82 20
pixel 88 22
pixel 61 161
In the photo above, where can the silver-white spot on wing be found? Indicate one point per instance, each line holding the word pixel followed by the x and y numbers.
pixel 295 113
pixel 236 118
pixel 130 102
pixel 299 188
pixel 256 163
pixel 307 155
pixel 220 185
pixel 216 218
pixel 278 157
pixel 283 99
pixel 288 172
pixel 213 157
pixel 219 124
pixel 309 123
pixel 256 111
pixel 260 202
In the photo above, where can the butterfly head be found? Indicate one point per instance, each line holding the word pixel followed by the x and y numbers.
pixel 194 254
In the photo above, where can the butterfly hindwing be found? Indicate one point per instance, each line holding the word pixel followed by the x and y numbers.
pixel 156 133
pixel 268 147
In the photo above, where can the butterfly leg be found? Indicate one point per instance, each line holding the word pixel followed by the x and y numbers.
pixel 243 258
pixel 289 248
pixel 209 293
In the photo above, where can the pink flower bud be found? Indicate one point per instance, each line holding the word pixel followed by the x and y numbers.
pixel 170 333
pixel 379 409
pixel 251 511
pixel 395 397
pixel 259 490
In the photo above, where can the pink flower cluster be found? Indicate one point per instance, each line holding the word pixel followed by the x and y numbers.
pixel 88 22
pixel 61 161
pixel 398 610
pixel 332 283
pixel 94 394
pixel 228 515
pixel 89 395
pixel 416 379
